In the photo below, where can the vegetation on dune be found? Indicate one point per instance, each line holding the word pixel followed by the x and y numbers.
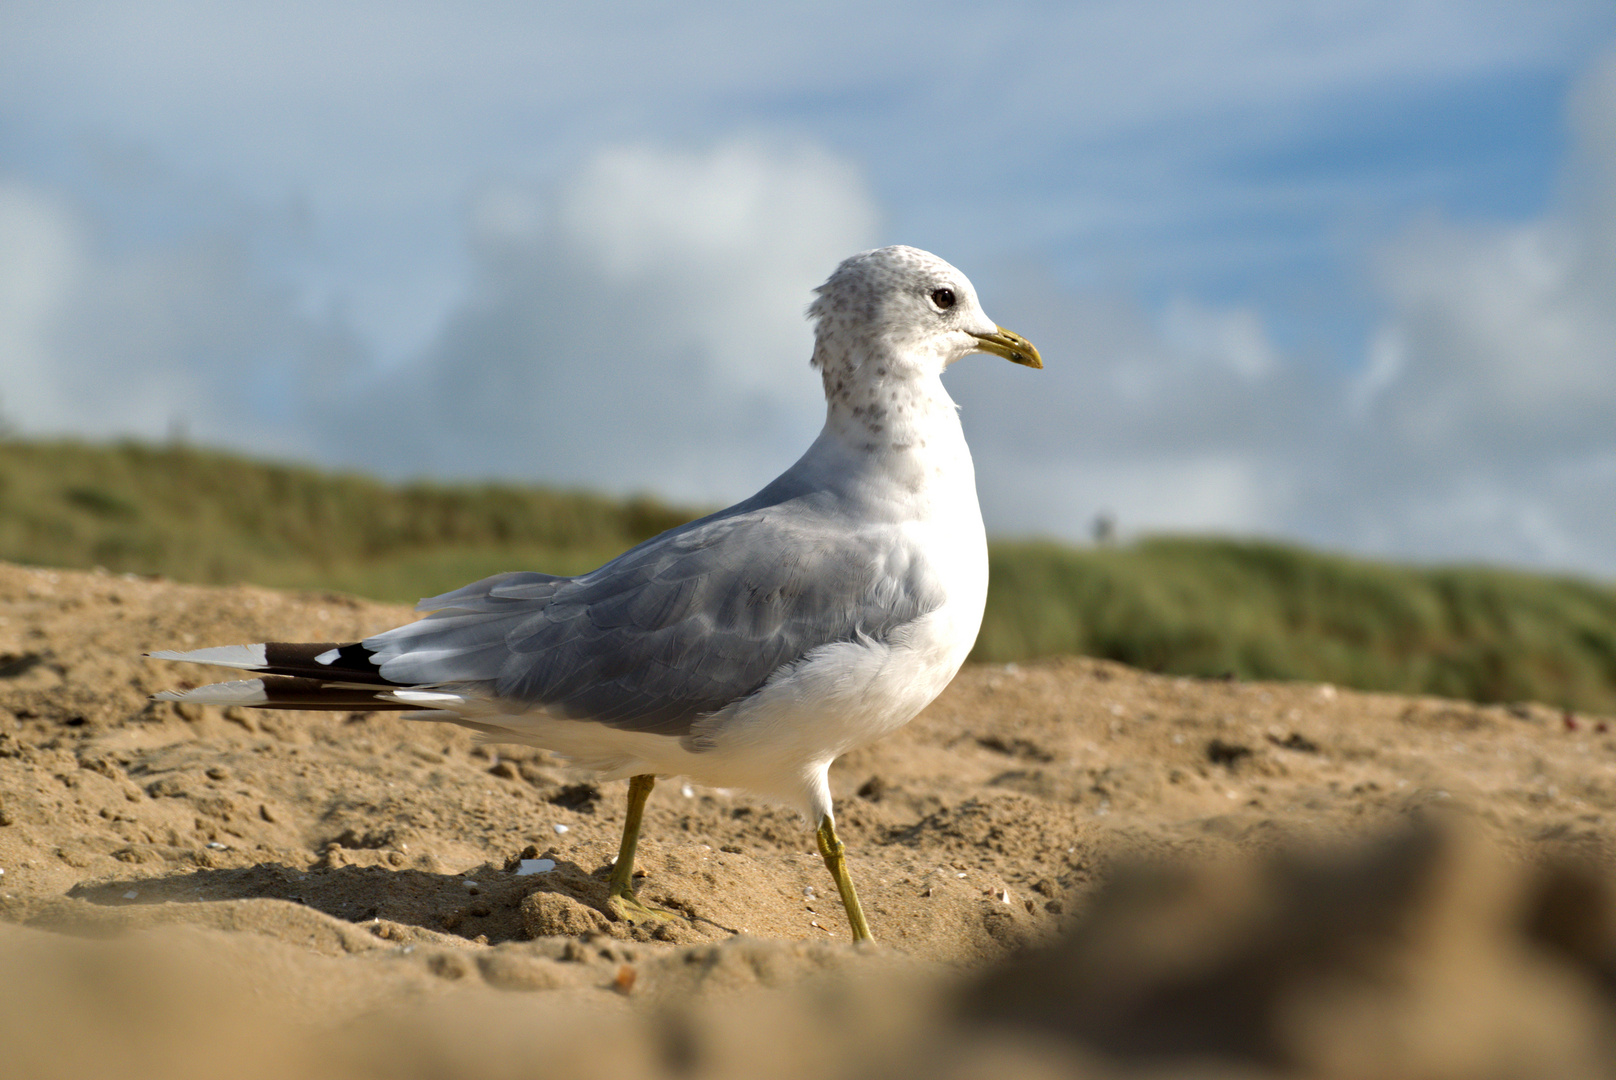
pixel 205 516
pixel 1202 607
pixel 1257 610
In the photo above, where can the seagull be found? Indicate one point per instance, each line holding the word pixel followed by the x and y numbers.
pixel 747 649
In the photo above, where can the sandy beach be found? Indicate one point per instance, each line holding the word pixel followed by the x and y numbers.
pixel 1071 868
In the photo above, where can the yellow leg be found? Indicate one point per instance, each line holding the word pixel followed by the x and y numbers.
pixel 620 896
pixel 834 853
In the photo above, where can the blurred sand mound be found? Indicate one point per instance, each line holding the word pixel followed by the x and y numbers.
pixel 1421 953
pixel 1074 869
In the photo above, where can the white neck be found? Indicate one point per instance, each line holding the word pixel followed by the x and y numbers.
pixel 892 434
pixel 891 414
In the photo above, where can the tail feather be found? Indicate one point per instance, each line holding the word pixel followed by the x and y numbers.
pixel 286 692
pixel 323 660
pixel 312 675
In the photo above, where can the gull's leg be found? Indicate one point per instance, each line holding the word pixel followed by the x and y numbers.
pixel 834 853
pixel 620 897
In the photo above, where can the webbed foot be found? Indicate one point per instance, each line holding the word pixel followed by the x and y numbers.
pixel 635 912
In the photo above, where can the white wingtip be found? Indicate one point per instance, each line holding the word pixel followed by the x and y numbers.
pixel 249 657
pixel 424 697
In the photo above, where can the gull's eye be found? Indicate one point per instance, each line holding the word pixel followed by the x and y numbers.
pixel 943 298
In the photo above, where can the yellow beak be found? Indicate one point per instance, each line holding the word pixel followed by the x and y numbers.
pixel 1010 345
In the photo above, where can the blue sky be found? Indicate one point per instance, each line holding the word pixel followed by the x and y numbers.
pixel 1338 272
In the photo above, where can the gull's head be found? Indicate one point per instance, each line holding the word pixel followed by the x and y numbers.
pixel 906 311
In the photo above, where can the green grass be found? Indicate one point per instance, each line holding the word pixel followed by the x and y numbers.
pixel 1204 607
pixel 204 516
pixel 1257 610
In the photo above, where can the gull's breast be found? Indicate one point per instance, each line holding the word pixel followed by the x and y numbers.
pixel 849 693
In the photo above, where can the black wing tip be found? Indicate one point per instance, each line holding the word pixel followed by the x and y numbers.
pixel 336 661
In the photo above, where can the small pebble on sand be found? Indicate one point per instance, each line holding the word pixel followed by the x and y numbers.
pixel 534 866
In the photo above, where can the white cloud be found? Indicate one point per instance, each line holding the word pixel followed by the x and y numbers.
pixel 627 313
pixel 1487 410
pixel 1510 330
pixel 1480 426
pixel 148 339
pixel 1101 130
pixel 1233 338
pixel 638 327
pixel 1064 497
pixel 40 252
pixel 1193 421
pixel 739 233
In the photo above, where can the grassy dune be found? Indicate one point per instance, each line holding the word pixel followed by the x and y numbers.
pixel 1187 606
pixel 205 516
pixel 1267 611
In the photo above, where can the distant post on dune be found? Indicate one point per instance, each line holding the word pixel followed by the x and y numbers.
pixel 1104 528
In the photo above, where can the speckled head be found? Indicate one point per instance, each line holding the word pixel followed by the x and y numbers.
pixel 908 313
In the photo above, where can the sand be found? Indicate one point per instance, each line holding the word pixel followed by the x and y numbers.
pixel 1071 868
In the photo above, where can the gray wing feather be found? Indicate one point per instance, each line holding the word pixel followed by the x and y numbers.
pixel 674 629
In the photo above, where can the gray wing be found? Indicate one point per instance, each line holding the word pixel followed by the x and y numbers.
pixel 674 629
